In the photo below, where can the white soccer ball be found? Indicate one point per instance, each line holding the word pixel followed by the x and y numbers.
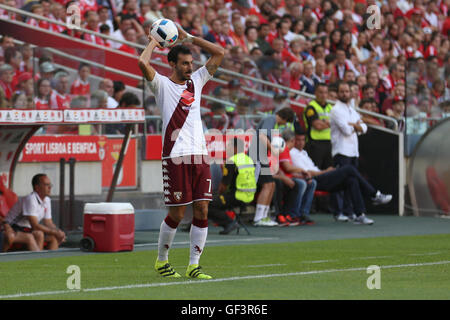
pixel 165 32
pixel 278 144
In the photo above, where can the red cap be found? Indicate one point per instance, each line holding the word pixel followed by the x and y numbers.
pixel 24 76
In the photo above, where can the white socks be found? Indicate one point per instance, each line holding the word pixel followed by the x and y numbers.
pixel 261 212
pixel 166 235
pixel 198 239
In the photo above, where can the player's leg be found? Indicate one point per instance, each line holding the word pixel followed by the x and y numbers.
pixel 52 242
pixel 167 233
pixel 201 186
pixel 27 239
pixel 9 236
pixel 177 195
pixel 39 238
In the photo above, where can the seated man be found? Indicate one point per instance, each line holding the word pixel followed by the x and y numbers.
pixel 23 222
pixel 307 186
pixel 238 186
pixel 345 177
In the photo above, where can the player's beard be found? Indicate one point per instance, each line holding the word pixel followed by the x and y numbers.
pixel 183 76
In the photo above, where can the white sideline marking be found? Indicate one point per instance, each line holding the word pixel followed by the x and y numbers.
pixel 267 265
pixel 319 261
pixel 208 241
pixel 165 284
pixel 377 257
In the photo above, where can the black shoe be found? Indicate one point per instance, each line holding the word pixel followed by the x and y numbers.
pixel 229 227
pixel 306 221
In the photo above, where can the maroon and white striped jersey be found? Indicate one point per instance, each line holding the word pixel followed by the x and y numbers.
pixel 180 109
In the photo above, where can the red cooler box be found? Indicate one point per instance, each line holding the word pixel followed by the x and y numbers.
pixel 108 227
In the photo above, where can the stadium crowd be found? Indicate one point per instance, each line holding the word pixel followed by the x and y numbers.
pixel 295 43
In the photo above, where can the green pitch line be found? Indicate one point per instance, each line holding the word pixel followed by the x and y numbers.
pixel 412 267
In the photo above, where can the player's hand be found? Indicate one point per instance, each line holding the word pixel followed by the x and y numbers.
pixel 290 183
pixel 60 236
pixel 150 37
pixel 181 33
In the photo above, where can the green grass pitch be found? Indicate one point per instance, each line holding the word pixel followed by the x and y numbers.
pixel 412 267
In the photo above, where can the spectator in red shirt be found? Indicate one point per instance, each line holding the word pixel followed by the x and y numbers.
pixel 307 186
pixel 59 99
pixel 92 21
pixel 130 8
pixel 130 35
pixel 37 9
pixel 41 100
pixel 87 5
pixel 81 85
pixel 13 57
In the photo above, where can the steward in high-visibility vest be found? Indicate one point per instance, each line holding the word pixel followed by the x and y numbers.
pixel 245 179
pixel 237 187
pixel 315 111
pixel 317 122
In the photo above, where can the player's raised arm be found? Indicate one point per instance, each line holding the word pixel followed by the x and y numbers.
pixel 144 59
pixel 216 51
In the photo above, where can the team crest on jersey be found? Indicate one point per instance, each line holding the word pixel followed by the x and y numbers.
pixel 177 195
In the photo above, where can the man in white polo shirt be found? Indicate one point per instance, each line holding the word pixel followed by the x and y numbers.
pixel 346 125
pixel 26 215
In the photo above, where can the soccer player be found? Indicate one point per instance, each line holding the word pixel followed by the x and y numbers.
pixel 186 178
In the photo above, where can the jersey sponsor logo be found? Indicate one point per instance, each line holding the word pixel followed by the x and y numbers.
pixel 177 195
pixel 187 98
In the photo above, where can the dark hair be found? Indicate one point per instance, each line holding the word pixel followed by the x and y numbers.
pixel 367 86
pixel 9 54
pixel 104 27
pixel 129 99
pixel 82 65
pixel 118 86
pixel 341 83
pixel 320 84
pixel 364 101
pixel 175 51
pixel 286 114
pixel 37 179
pixel 249 28
pixel 330 58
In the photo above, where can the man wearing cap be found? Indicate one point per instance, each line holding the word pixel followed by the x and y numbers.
pixel 47 70
pixel 6 78
pixel 25 83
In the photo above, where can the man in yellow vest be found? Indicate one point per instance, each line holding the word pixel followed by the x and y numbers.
pixel 238 186
pixel 317 122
